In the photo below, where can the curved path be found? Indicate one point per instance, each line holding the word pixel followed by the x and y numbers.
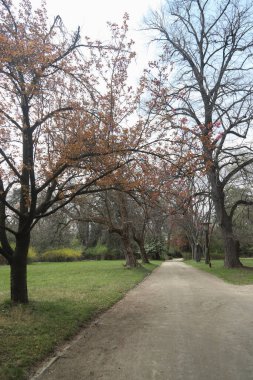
pixel 178 324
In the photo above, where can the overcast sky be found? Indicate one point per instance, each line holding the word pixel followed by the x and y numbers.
pixel 92 15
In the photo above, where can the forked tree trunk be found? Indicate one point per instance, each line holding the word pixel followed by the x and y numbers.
pixel 19 293
pixel 131 261
pixel 140 241
pixel 143 253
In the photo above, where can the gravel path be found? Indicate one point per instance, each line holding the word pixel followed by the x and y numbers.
pixel 178 324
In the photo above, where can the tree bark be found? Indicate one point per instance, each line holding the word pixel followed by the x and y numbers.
pixel 140 241
pixel 19 293
pixel 193 249
pixel 143 252
pixel 207 252
pixel 131 261
pixel 198 253
pixel 231 259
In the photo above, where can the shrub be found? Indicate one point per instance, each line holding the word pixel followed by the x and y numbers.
pixel 216 243
pixel 177 255
pixel 61 254
pixel 32 255
pixel 156 249
pixel 99 252
pixel 216 255
pixel 186 255
pixel 76 244
pixel 246 250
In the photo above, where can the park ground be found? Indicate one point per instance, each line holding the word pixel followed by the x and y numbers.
pixel 175 305
pixel 180 323
pixel 64 297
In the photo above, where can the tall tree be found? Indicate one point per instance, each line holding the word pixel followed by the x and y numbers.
pixel 210 93
pixel 55 141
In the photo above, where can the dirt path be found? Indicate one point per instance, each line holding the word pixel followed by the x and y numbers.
pixel 179 324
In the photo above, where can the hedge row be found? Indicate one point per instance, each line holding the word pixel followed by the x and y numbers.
pixel 99 252
pixel 62 254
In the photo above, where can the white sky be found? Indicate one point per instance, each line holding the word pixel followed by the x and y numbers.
pixel 92 15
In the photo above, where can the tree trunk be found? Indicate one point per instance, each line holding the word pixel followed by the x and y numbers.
pixel 192 244
pixel 198 253
pixel 206 249
pixel 194 251
pixel 168 242
pixel 131 261
pixel 207 255
pixel 140 241
pixel 19 293
pixel 231 259
pixel 143 253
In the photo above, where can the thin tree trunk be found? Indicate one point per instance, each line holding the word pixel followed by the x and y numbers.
pixel 207 252
pixel 198 253
pixel 143 253
pixel 194 251
pixel 19 293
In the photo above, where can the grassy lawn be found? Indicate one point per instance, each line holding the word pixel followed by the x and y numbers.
pixel 233 276
pixel 64 296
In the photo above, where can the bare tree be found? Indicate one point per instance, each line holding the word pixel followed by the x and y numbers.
pixel 210 92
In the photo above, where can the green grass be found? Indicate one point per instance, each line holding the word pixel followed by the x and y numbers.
pixel 63 297
pixel 233 276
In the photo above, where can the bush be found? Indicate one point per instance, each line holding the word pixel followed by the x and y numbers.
pixel 157 249
pixel 61 254
pixel 186 255
pixel 99 252
pixel 216 243
pixel 216 255
pixel 32 255
pixel 176 254
pixel 246 250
